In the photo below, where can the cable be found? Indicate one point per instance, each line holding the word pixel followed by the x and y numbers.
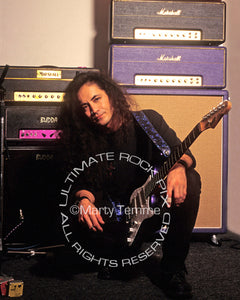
pixel 16 227
pixel 236 244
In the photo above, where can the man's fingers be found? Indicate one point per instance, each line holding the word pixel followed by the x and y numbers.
pixel 86 219
pixel 92 219
pixel 96 221
pixel 180 192
pixel 179 201
pixel 169 201
pixel 95 224
pixel 169 194
pixel 99 218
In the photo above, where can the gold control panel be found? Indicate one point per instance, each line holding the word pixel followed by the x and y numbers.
pixel 167 34
pixel 39 96
pixel 168 81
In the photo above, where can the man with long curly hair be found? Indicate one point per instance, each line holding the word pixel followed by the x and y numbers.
pixel 100 134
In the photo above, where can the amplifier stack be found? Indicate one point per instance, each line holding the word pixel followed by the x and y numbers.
pixel 167 55
pixel 32 178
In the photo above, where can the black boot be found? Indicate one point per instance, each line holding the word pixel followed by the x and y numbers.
pixel 174 284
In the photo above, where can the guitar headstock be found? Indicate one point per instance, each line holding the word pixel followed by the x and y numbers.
pixel 211 119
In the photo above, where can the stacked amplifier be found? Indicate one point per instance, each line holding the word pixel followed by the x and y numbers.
pixel 167 56
pixel 31 172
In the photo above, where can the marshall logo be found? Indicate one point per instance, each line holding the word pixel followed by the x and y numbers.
pixel 49 74
pixel 166 12
pixel 48 120
pixel 164 57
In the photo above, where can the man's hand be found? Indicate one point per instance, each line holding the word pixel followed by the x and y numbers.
pixel 177 184
pixel 89 214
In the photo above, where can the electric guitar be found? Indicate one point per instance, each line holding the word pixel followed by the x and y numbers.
pixel 140 198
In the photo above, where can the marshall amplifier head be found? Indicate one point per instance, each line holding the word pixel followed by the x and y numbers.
pixel 190 22
pixel 168 66
pixel 38 84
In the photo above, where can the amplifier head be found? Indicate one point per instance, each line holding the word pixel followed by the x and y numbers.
pixel 167 66
pixel 31 123
pixel 38 84
pixel 189 22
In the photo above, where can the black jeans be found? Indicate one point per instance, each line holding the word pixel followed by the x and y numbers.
pixel 176 245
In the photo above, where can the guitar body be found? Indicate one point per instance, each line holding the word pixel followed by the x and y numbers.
pixel 142 207
pixel 139 208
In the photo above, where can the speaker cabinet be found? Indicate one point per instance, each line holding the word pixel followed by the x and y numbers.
pixel 182 112
pixel 31 184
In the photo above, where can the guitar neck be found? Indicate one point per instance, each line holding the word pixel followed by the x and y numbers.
pixel 172 159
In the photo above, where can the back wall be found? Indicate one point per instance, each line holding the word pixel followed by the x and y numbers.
pixel 74 33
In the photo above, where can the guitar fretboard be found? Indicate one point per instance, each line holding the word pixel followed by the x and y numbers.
pixel 172 159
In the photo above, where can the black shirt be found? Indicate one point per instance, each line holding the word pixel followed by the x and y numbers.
pixel 129 163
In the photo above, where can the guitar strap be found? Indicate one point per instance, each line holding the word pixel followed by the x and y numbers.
pixel 148 127
pixel 152 133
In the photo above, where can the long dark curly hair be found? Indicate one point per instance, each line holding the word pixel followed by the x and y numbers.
pixel 80 138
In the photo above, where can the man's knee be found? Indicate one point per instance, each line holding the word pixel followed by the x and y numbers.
pixel 193 183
